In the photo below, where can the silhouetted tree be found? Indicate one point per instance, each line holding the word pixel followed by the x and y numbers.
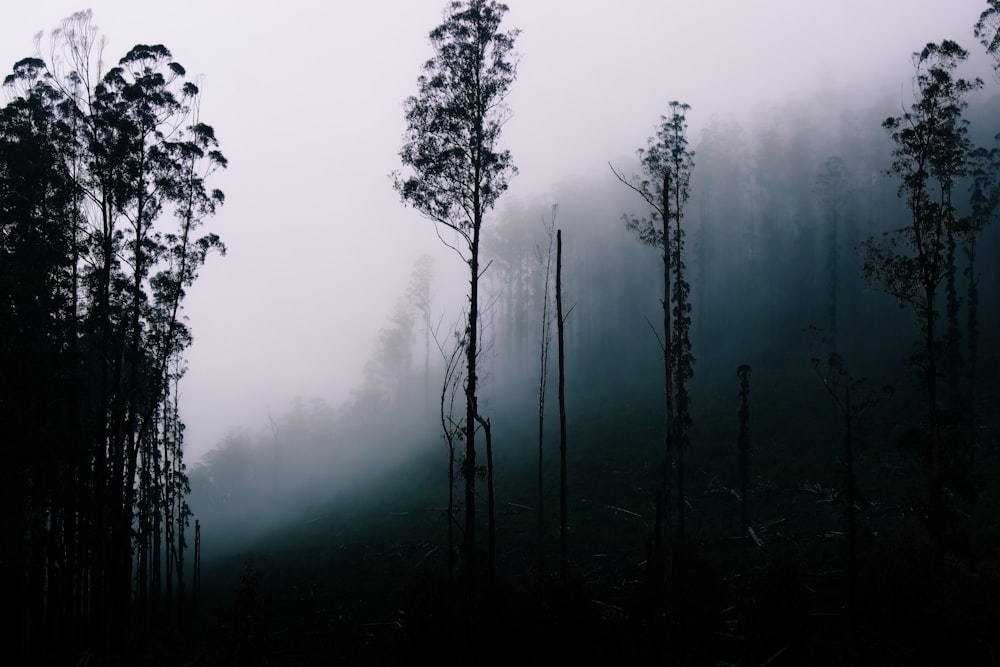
pixel 987 31
pixel 545 338
pixel 451 427
pixel 832 184
pixel 984 200
pixel 832 371
pixel 561 354
pixel 743 372
pixel 94 166
pixel 451 147
pixel 911 263
pixel 666 167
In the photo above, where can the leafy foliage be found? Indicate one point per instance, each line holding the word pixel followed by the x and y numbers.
pixel 987 31
pixel 454 122
pixel 103 195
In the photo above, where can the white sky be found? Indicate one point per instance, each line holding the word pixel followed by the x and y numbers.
pixel 306 99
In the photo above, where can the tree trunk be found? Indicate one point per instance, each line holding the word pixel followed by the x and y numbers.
pixel 560 325
pixel 852 530
pixel 490 504
pixel 471 402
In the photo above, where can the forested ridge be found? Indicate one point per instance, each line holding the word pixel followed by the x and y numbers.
pixel 779 438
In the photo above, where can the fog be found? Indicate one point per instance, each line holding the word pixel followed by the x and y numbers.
pixel 836 455
pixel 306 99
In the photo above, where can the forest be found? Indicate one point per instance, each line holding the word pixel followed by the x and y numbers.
pixel 731 400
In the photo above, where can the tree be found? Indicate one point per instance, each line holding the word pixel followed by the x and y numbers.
pixel 103 192
pixel 421 279
pixel 984 200
pixel 545 338
pixel 912 262
pixel 987 31
pixel 666 167
pixel 831 184
pixel 664 185
pixel 560 354
pixel 743 372
pixel 832 372
pixel 457 170
pixel 451 428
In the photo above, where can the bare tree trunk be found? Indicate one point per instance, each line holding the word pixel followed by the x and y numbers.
pixel 743 372
pixel 490 503
pixel 546 337
pixel 665 547
pixel 852 530
pixel 560 325
pixel 471 401
pixel 196 576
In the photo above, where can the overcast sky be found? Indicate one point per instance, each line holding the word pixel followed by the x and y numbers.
pixel 306 99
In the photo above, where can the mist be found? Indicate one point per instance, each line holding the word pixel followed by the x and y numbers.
pixel 317 387
pixel 311 124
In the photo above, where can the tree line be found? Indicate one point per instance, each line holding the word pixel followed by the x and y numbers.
pixel 104 190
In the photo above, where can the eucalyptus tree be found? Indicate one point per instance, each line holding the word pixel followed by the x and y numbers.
pixel 912 263
pixel 987 31
pixel 119 162
pixel 40 391
pixel 666 166
pixel 152 155
pixel 831 185
pixel 456 169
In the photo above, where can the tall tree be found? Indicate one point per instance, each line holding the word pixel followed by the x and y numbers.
pixel 987 31
pixel 560 354
pixel 666 174
pixel 545 338
pixel 841 385
pixel 666 166
pixel 95 165
pixel 457 170
pixel 831 184
pixel 911 263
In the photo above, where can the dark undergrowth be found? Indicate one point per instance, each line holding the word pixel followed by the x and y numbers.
pixel 364 579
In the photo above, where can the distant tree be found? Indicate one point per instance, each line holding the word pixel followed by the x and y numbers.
pixel 387 373
pixel 840 384
pixel 831 184
pixel 545 338
pixel 560 354
pixel 457 169
pixel 421 280
pixel 984 200
pixel 911 263
pixel 743 372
